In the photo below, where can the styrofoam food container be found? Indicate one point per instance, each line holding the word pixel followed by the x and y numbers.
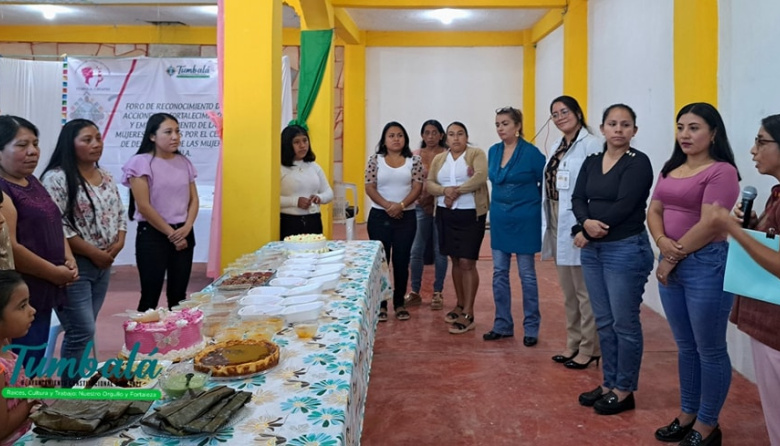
pixel 335 252
pixel 257 311
pixel 298 261
pixel 327 282
pixel 260 299
pixel 302 299
pixel 288 282
pixel 304 273
pixel 267 290
pixel 331 259
pixel 303 312
pixel 328 268
pixel 309 288
pixel 303 255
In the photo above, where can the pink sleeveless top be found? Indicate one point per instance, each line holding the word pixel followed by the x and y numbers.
pixel 8 369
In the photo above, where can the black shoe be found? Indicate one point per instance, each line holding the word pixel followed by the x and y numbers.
pixel 588 399
pixel 577 366
pixel 530 341
pixel 694 438
pixel 673 431
pixel 492 336
pixel 560 359
pixel 609 404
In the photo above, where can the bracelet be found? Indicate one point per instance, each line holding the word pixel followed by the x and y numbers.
pixel 403 206
pixel 659 238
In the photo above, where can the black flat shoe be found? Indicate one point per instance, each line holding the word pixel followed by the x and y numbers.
pixel 694 438
pixel 588 399
pixel 492 336
pixel 560 359
pixel 577 366
pixel 609 404
pixel 674 431
pixel 530 341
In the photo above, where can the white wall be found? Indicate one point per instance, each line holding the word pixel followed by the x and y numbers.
pixel 631 61
pixel 549 85
pixel 748 91
pixel 412 85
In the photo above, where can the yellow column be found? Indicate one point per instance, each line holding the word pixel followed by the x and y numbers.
pixel 529 86
pixel 575 52
pixel 695 52
pixel 355 121
pixel 252 116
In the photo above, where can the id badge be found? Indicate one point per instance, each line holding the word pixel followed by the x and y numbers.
pixel 562 180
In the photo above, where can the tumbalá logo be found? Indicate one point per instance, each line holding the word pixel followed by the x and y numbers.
pixel 190 71
pixel 87 366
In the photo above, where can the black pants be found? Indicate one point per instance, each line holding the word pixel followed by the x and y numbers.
pixel 155 255
pixel 397 236
pixel 299 224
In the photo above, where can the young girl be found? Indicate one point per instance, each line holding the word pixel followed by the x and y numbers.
pixel 16 316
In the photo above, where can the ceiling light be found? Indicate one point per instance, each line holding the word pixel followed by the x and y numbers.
pixel 210 9
pixel 447 15
pixel 49 11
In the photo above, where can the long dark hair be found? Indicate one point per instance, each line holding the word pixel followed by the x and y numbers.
pixel 64 157
pixel 288 151
pixel 720 149
pixel 573 107
pixel 9 127
pixel 148 146
pixel 382 148
pixel 772 126
pixel 10 280
pixel 439 127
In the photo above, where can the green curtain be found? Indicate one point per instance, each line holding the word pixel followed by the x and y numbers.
pixel 315 51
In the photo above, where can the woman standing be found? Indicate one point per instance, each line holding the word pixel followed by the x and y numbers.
pixel 393 182
pixel 515 170
pixel 162 186
pixel 304 185
pixel 34 222
pixel 609 203
pixel 433 138
pixel 6 251
pixel 560 176
pixel 94 224
pixel 758 319
pixel 458 178
pixel 700 174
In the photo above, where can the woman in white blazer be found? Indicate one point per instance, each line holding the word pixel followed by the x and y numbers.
pixel 560 174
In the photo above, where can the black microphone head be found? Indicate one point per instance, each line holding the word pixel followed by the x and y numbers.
pixel 749 193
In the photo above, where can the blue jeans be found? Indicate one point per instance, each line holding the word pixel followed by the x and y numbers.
pixel 78 315
pixel 698 311
pixel 615 275
pixel 502 294
pixel 426 231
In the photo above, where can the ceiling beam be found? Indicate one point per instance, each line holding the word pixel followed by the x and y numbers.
pixel 180 35
pixel 346 28
pixel 317 14
pixel 463 4
pixel 444 38
pixel 547 24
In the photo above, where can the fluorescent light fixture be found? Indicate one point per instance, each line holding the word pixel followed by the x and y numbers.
pixel 210 9
pixel 447 15
pixel 49 11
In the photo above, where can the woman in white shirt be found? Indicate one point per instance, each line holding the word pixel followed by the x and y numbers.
pixel 304 185
pixel 393 182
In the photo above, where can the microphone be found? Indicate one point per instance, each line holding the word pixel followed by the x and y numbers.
pixel 749 193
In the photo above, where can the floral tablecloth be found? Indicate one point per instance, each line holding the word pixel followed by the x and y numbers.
pixel 316 395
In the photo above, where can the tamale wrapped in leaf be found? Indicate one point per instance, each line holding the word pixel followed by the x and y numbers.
pixel 197 425
pixel 236 403
pixel 78 416
pixel 197 407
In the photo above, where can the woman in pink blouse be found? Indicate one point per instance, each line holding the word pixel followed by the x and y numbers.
pixel 700 174
pixel 162 186
pixel 94 224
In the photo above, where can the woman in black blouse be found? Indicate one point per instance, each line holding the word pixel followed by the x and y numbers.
pixel 609 203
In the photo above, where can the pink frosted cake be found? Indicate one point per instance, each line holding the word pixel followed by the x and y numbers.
pixel 175 334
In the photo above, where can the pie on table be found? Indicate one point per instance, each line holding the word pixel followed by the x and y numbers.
pixel 237 358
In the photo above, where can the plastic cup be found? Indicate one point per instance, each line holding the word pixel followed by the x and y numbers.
pixel 306 330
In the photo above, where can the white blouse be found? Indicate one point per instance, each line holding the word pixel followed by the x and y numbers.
pixel 455 172
pixel 303 179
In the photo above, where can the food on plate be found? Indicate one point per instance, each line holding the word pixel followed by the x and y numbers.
pixel 174 335
pixel 237 357
pixel 306 243
pixel 248 279
pixel 206 412
pixel 82 418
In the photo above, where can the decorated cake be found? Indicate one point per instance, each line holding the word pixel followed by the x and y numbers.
pixel 306 243
pixel 237 358
pixel 175 334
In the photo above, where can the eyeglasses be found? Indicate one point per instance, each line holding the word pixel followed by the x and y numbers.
pixel 505 110
pixel 562 114
pixel 762 142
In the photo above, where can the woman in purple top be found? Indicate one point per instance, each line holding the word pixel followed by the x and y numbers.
pixel 162 187
pixel 34 222
pixel 700 174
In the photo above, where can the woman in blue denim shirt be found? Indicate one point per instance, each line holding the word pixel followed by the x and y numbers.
pixel 609 203
pixel 699 175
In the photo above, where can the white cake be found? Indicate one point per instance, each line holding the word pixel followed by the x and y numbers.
pixel 306 243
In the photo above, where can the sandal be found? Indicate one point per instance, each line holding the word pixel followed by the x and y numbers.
pixel 437 302
pixel 383 315
pixel 463 324
pixel 401 314
pixel 453 315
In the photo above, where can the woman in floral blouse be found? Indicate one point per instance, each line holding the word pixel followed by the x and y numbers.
pixel 93 222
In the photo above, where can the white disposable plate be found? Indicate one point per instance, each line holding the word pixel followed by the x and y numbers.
pixel 311 288
pixel 267 290
pixel 304 273
pixel 260 299
pixel 252 311
pixel 327 282
pixel 329 268
pixel 304 312
pixel 335 252
pixel 288 282
pixel 297 266
pixel 331 259
pixel 302 299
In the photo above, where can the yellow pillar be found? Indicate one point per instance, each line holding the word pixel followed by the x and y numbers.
pixel 529 86
pixel 354 158
pixel 252 108
pixel 575 51
pixel 695 52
